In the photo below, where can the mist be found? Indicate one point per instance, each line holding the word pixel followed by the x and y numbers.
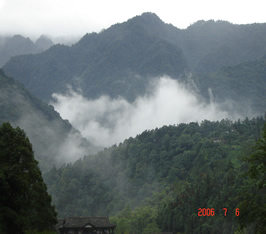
pixel 54 141
pixel 107 121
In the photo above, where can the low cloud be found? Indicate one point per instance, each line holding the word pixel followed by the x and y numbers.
pixel 52 143
pixel 107 121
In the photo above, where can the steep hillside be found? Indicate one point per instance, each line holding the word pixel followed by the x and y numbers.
pixel 54 140
pixel 244 85
pixel 210 45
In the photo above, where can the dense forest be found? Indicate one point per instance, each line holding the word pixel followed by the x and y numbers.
pixel 159 180
pixel 25 206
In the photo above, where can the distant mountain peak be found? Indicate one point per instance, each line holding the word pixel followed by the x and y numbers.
pixel 44 42
pixel 147 18
pixel 19 38
pixel 150 15
pixel 147 21
pixel 209 23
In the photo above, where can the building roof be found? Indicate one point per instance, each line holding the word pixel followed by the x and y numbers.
pixel 60 222
pixel 80 222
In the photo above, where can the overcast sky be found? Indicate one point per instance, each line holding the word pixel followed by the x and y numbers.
pixel 77 17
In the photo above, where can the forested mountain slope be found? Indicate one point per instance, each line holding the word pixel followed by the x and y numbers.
pixel 162 177
pixel 243 85
pixel 210 45
pixel 121 59
pixel 49 134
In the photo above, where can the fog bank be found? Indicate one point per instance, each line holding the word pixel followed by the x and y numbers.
pixel 107 121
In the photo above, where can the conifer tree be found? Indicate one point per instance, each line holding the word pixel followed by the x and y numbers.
pixel 24 201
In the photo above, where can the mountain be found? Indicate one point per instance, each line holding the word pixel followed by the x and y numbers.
pixel 18 45
pixel 118 61
pixel 54 140
pixel 123 59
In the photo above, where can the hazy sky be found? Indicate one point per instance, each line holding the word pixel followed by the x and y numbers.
pixel 77 17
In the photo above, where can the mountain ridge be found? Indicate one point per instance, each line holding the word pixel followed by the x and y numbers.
pixel 107 63
pixel 19 45
pixel 96 57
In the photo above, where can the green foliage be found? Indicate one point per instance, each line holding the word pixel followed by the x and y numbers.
pixel 257 162
pixel 24 201
pixel 141 220
pixel 159 180
pixel 253 194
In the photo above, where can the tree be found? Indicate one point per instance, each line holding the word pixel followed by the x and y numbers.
pixel 253 206
pixel 24 201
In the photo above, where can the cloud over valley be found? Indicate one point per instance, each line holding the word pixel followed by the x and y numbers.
pixel 107 121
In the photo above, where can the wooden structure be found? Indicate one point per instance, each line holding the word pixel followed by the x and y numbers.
pixel 85 225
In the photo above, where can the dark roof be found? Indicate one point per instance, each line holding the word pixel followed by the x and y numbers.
pixel 59 222
pixel 80 222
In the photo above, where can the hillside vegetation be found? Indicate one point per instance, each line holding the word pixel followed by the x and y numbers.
pixel 162 177
pixel 25 206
